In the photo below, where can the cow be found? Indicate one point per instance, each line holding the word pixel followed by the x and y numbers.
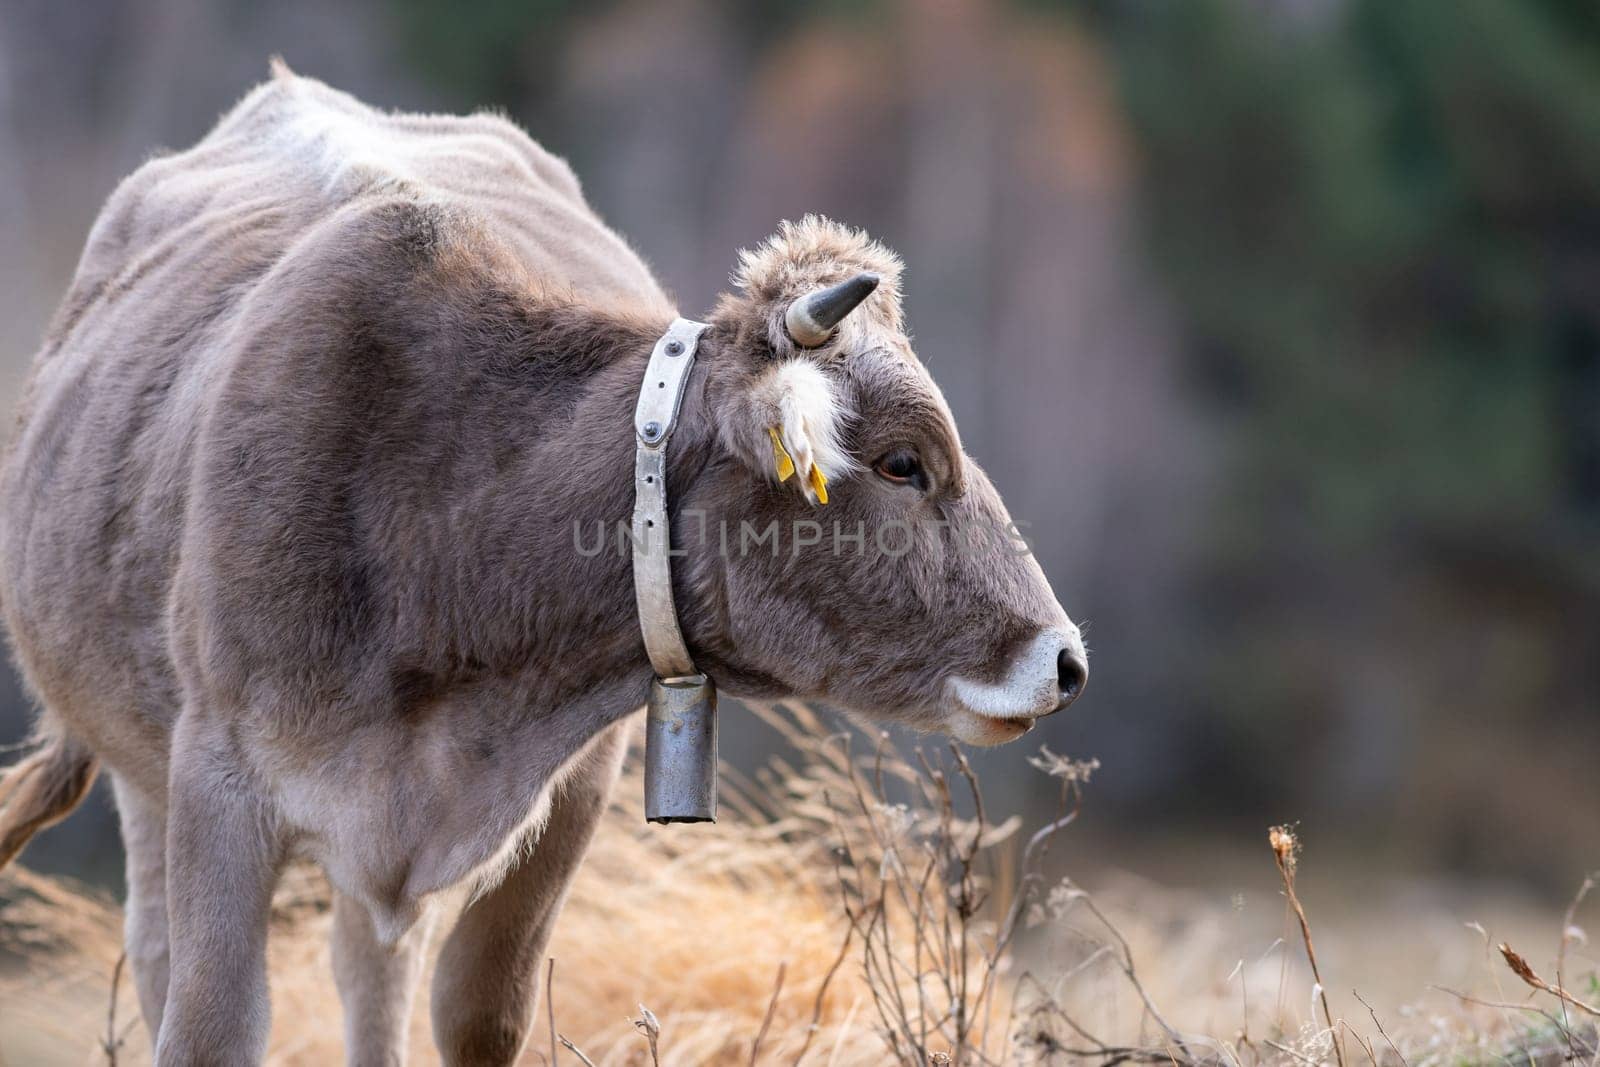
pixel 287 541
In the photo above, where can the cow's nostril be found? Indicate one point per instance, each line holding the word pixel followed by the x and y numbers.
pixel 1071 674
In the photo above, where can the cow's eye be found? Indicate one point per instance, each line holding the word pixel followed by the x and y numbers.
pixel 902 467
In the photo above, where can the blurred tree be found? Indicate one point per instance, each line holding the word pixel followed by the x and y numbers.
pixel 507 50
pixel 493 50
pixel 1381 224
pixel 1385 232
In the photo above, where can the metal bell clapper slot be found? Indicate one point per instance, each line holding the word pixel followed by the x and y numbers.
pixel 680 751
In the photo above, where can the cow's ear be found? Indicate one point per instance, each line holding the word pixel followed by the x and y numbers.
pixel 788 425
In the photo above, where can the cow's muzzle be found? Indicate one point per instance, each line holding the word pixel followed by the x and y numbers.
pixel 1044 676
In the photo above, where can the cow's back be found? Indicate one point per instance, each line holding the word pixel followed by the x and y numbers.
pixel 302 151
pixel 95 488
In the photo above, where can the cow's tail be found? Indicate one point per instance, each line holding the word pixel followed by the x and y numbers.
pixel 44 787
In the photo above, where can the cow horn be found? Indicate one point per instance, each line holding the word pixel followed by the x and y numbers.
pixel 812 317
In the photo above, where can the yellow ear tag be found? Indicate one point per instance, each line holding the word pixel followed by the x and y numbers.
pixel 780 456
pixel 819 482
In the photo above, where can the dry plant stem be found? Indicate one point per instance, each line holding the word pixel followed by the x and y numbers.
pixel 1503 1005
pixel 1567 922
pixel 1101 1049
pixel 947 957
pixel 1522 970
pixel 550 1005
pixel 650 1026
pixel 1361 1042
pixel 1126 965
pixel 772 1008
pixel 864 919
pixel 1071 806
pixel 919 922
pixel 970 901
pixel 983 999
pixel 941 951
pixel 1379 1024
pixel 575 1050
pixel 111 1042
pixel 1302 1057
pixel 892 858
pixel 879 960
pixel 1244 1002
pixel 952 934
pixel 822 992
pixel 1494 973
pixel 1283 854
pixel 1072 794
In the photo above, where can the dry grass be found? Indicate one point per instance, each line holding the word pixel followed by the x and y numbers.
pixel 853 906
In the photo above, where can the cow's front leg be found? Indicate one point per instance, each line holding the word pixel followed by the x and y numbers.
pixel 487 978
pixel 376 983
pixel 224 849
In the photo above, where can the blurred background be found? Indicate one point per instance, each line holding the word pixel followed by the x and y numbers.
pixel 1277 323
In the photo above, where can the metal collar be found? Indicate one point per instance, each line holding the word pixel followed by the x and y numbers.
pixel 660 396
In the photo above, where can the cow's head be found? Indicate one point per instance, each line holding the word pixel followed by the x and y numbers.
pixel 896 584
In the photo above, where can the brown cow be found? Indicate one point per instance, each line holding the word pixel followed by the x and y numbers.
pixel 289 541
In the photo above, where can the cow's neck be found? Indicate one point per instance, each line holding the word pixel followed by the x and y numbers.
pixel 536 594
